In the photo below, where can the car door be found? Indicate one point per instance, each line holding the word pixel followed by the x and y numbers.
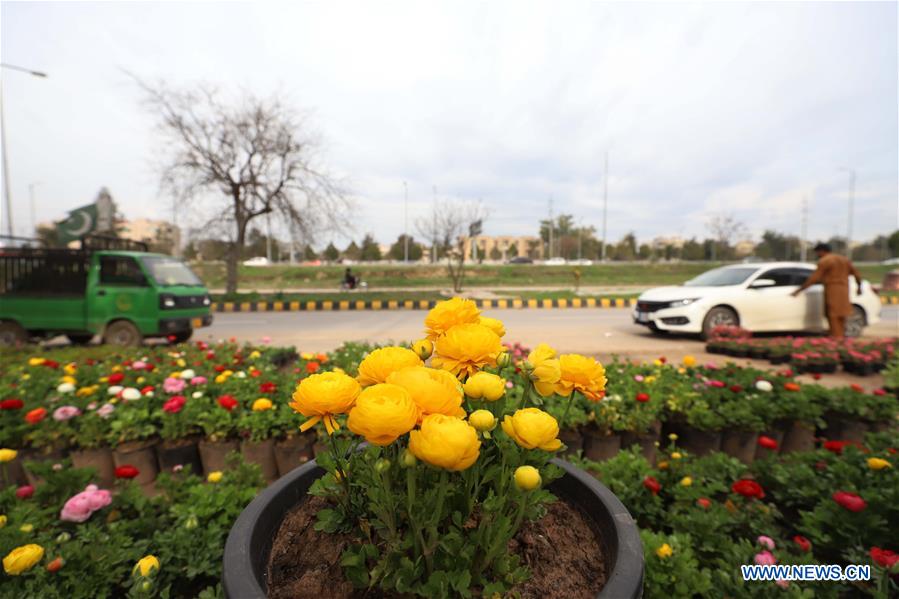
pixel 119 289
pixel 772 305
pixel 812 301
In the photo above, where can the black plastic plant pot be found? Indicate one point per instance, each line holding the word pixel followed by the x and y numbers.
pixel 250 540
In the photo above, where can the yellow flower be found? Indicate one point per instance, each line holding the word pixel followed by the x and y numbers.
pixel 532 428
pixel 26 528
pixel 486 386
pixel 673 436
pixel 254 354
pixel 22 559
pixel 146 564
pixel 447 314
pixel 580 373
pixel 482 420
pixel 214 477
pixel 657 362
pixel 68 379
pixel 494 324
pixel 26 377
pixel 141 380
pixel 181 363
pixel 262 404
pixel 527 478
pixel 220 378
pixel 382 413
pixel 445 442
pixel 379 364
pixel 36 361
pixel 676 455
pixel 320 396
pixel 433 391
pixel 663 465
pixel 423 348
pixel 664 551
pixel 70 368
pixel 2 520
pixel 86 391
pixel 545 369
pixel 686 481
pixel 307 356
pixel 873 464
pixel 8 455
pixel 466 348
pixel 689 361
pixel 649 380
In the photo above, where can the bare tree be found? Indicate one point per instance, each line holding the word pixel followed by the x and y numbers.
pixel 724 228
pixel 447 227
pixel 256 154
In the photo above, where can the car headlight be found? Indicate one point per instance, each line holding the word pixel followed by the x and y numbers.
pixel 206 301
pixel 166 301
pixel 682 302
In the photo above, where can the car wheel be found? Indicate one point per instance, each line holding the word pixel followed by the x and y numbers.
pixel 718 317
pixel 12 334
pixel 79 338
pixel 122 332
pixel 855 322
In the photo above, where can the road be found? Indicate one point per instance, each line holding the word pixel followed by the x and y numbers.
pixel 601 332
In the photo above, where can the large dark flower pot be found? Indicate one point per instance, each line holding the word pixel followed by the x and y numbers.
pixel 250 540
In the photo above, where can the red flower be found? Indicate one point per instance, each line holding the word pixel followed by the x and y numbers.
pixel 816 376
pixel 147 389
pixel 268 387
pixel 228 402
pixel 748 488
pixel 850 501
pixel 150 367
pixel 55 565
pixel 35 415
pixel 837 447
pixel 126 471
pixel 717 384
pixel 312 367
pixel 51 364
pixel 25 492
pixel 792 386
pixel 174 405
pixel 884 557
pixel 115 378
pixel 704 502
pixel 767 442
pixel 642 397
pixel 220 368
pixel 880 392
pixel 12 404
pixel 803 543
pixel 857 388
pixel 652 484
pixel 736 388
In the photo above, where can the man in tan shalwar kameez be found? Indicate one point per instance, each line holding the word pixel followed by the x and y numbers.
pixel 833 271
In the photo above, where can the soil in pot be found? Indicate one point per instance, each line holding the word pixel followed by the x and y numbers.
pixel 799 437
pixel 599 447
pixel 214 454
pixel 699 442
pixel 141 455
pixel 562 551
pixel 573 439
pixel 179 452
pixel 740 444
pixel 261 453
pixel 100 459
pixel 293 452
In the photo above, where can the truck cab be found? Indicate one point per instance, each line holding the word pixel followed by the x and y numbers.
pixel 116 290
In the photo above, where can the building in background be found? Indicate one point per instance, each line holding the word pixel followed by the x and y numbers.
pixel 502 247
pixel 162 236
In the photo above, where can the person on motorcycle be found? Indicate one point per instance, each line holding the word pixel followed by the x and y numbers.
pixel 349 281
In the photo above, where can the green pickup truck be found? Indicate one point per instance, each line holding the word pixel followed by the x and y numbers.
pixel 113 288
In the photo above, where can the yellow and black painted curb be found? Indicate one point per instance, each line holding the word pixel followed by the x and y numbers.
pixel 332 305
pixel 889 299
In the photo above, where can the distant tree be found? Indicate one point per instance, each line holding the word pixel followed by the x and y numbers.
pixel 725 229
pixel 893 243
pixel 533 250
pixel 47 236
pixel 777 246
pixel 496 253
pixel 645 251
pixel 446 225
pixel 352 252
pixel 512 251
pixel 309 254
pixel 626 249
pixel 370 251
pixel 331 253
pixel 398 249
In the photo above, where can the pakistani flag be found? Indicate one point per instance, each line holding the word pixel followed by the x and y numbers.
pixel 81 221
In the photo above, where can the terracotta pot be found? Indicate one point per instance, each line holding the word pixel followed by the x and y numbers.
pixel 599 447
pixel 843 429
pixel 573 439
pixel 12 473
pixel 179 452
pixel 100 459
pixel 778 435
pixel 141 455
pixel 214 454
pixel 740 444
pixel 261 453
pixel 699 442
pixel 44 455
pixel 799 437
pixel 293 452
pixel 647 441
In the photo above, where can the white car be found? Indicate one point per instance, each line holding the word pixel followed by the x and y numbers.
pixel 753 296
pixel 256 261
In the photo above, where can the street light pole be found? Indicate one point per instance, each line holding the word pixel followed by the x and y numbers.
pixel 6 189
pixel 406 223
pixel 851 210
pixel 31 187
pixel 605 204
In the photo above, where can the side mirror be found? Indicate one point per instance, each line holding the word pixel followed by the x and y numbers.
pixel 761 283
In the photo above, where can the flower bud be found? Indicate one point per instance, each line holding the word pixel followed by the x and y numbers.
pixel 408 459
pixel 504 359
pixel 482 420
pixel 191 522
pixel 63 537
pixel 424 348
pixel 382 465
pixel 527 478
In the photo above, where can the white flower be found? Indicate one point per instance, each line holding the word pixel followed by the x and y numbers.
pixel 240 374
pixel 197 394
pixel 188 374
pixel 149 394
pixel 65 388
pixel 764 386
pixel 115 389
pixel 130 394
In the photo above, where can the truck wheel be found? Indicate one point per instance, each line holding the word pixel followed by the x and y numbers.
pixel 122 332
pixel 717 317
pixel 182 336
pixel 12 334
pixel 79 338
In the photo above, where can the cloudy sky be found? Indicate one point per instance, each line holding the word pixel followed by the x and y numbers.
pixel 704 109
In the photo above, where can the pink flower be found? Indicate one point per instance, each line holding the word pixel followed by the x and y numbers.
pixel 138 365
pixel 766 542
pixel 171 385
pixel 509 384
pixel 266 340
pixel 765 558
pixel 92 406
pixel 80 507
pixel 25 492
pixel 198 380
pixel 63 413
pixel 106 410
pixel 716 384
pixel 638 378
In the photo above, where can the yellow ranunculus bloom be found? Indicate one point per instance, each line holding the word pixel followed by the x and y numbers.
pixel 689 361
pixel 2 520
pixel 382 413
pixel 262 404
pixel 423 348
pixel 663 465
pixel 70 368
pixel 878 464
pixel 484 385
pixel 146 564
pixel 494 324
pixel 445 442
pixel 580 373
pixel 527 478
pixel 532 428
pixel 381 363
pixel 22 559
pixel 545 369
pixel 676 455
pixel 686 481
pixel 87 391
pixel 482 420
pixel 214 477
pixel 306 355
pixel 8 455
pixel 35 361
pixel 447 314
pixel 466 348
pixel 220 378
pixel 254 354
pixel 433 391
pixel 664 551
pixel 320 396
pixel 27 527
pixel 68 379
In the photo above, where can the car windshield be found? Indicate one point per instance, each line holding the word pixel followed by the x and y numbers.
pixel 721 277
pixel 169 271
